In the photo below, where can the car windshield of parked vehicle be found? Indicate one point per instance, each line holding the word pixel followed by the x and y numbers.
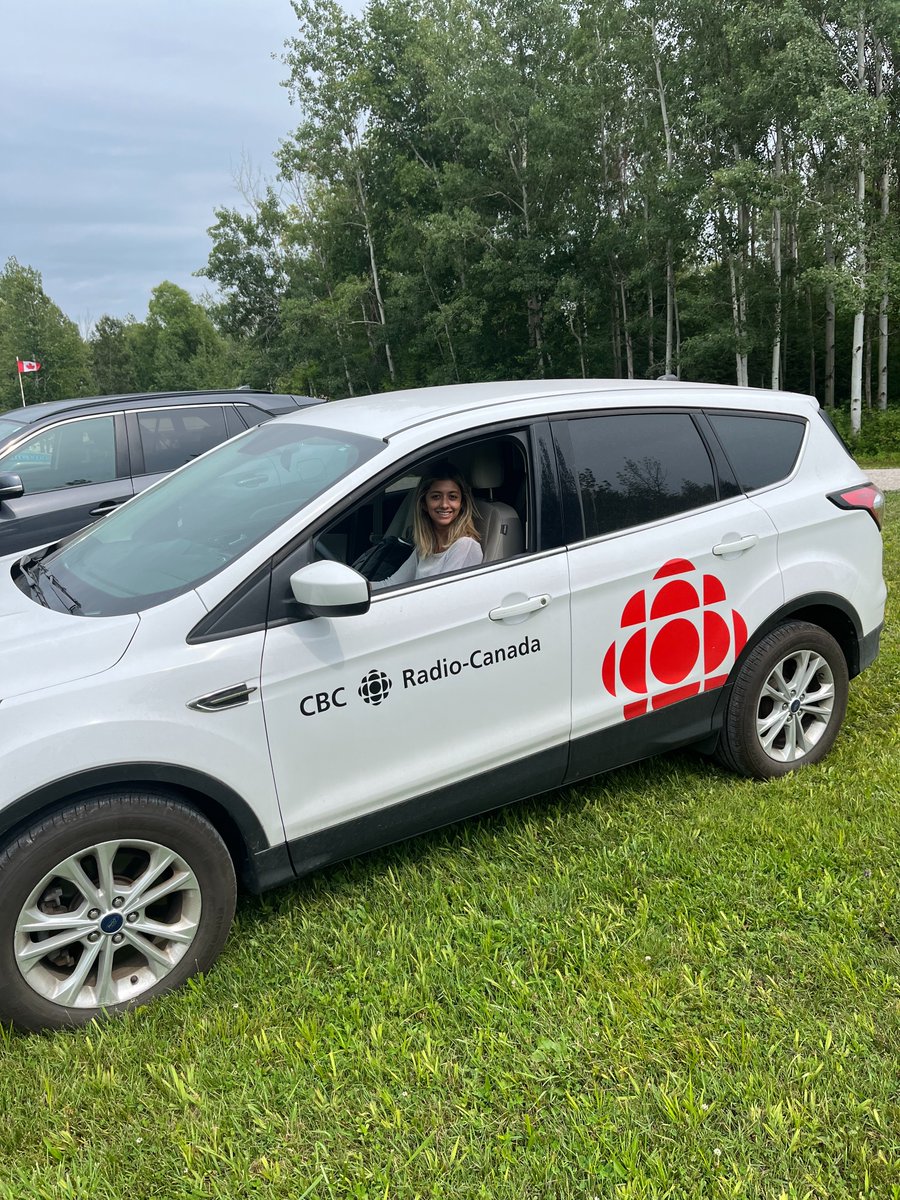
pixel 195 522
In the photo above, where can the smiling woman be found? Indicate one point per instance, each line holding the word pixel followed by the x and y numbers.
pixel 444 530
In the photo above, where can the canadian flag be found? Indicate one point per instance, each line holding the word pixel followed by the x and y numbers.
pixel 27 365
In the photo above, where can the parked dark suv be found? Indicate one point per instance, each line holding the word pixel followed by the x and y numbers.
pixel 64 464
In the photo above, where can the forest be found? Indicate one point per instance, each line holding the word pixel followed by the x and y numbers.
pixel 486 189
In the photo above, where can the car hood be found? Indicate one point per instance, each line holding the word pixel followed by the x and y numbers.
pixel 40 648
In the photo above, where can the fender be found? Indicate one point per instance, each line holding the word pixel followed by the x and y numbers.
pixel 261 865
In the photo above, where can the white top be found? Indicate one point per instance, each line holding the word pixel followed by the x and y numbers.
pixel 465 552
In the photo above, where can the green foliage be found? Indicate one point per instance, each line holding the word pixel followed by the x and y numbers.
pixel 112 356
pixel 33 327
pixel 495 190
pixel 490 189
pixel 878 442
pixel 664 983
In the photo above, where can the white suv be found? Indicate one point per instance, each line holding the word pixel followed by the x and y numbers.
pixel 203 686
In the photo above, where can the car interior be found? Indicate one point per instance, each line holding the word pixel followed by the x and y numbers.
pixel 496 472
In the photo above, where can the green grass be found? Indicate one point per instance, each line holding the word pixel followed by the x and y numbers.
pixel 665 983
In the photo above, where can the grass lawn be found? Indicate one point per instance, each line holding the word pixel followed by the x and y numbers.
pixel 665 983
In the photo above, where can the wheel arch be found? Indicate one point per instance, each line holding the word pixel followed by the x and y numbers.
pixel 823 609
pixel 258 864
pixel 831 613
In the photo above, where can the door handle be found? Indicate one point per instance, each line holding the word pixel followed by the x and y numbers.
pixel 532 604
pixel 106 507
pixel 738 546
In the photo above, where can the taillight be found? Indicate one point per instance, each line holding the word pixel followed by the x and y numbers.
pixel 863 495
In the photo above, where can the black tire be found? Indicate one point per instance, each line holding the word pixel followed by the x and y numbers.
pixel 136 892
pixel 787 703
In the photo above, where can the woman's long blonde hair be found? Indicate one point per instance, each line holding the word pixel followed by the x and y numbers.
pixel 463 526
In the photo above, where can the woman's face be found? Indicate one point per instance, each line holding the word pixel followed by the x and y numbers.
pixel 443 501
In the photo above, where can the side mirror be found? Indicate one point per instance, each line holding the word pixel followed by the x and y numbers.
pixel 11 487
pixel 331 589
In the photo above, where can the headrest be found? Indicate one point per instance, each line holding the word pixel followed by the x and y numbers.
pixel 485 468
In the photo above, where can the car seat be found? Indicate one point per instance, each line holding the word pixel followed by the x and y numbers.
pixel 498 523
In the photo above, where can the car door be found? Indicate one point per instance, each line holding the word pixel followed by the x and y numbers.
pixel 671 568
pixel 73 472
pixel 450 696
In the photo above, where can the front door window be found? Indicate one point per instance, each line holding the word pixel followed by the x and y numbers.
pixel 68 455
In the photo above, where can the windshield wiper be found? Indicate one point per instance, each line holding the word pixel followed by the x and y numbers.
pixel 74 604
pixel 31 574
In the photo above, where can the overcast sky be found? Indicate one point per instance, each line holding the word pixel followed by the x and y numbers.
pixel 123 124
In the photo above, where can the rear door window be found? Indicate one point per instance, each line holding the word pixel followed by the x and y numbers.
pixel 170 437
pixel 762 449
pixel 634 468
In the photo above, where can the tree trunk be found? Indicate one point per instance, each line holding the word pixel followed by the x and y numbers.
pixel 626 325
pixel 885 215
pixel 535 307
pixel 651 317
pixel 856 372
pixel 376 282
pixel 670 266
pixel 829 314
pixel 670 306
pixel 444 322
pixel 776 263
pixel 738 299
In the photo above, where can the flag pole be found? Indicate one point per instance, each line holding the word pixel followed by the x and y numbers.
pixel 19 373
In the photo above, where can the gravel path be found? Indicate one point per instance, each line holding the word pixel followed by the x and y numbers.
pixel 888 480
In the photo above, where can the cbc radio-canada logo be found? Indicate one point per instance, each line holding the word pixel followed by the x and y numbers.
pixel 375 687
pixel 677 637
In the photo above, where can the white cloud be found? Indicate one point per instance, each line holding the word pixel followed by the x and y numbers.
pixel 126 122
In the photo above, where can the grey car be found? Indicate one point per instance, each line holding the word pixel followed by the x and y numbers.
pixel 65 464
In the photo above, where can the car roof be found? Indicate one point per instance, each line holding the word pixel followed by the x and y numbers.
pixel 33 413
pixel 386 414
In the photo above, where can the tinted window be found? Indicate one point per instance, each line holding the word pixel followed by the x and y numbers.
pixel 171 437
pixel 637 467
pixel 66 455
pixel 191 525
pixel 762 450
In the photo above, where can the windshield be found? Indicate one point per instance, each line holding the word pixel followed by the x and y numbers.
pixel 192 524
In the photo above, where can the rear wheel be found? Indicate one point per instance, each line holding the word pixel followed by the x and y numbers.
pixel 108 903
pixel 787 703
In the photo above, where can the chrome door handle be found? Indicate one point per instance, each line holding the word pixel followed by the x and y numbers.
pixel 106 507
pixel 532 604
pixel 738 546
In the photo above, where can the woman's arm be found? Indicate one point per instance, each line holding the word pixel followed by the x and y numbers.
pixel 405 573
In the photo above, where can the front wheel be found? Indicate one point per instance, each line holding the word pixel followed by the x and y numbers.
pixel 787 702
pixel 107 903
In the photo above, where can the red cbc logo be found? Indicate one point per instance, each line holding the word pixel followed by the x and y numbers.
pixel 677 637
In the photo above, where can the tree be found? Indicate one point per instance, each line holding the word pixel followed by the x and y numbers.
pixel 32 326
pixel 177 346
pixel 112 356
